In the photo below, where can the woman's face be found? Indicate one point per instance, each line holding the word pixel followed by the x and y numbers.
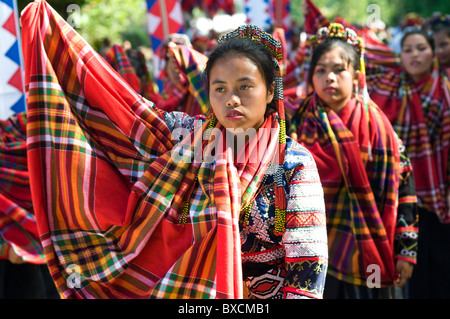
pixel 417 56
pixel 238 93
pixel 172 70
pixel 442 43
pixel 333 79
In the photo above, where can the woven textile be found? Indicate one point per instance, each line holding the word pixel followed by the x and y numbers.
pixel 118 59
pixel 109 184
pixel 18 229
pixel 189 95
pixel 420 114
pixel 361 194
pixel 191 63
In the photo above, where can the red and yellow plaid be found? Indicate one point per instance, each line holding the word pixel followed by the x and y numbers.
pixel 18 229
pixel 420 114
pixel 118 59
pixel 107 190
pixel 359 166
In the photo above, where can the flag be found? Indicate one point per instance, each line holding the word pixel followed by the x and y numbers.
pixel 164 17
pixel 268 13
pixel 281 14
pixel 210 7
pixel 258 13
pixel 12 98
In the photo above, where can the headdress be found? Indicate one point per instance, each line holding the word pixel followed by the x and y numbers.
pixel 437 18
pixel 263 38
pixel 337 31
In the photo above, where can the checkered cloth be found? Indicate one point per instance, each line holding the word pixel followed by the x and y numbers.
pixel 18 229
pixel 118 59
pixel 359 166
pixel 420 114
pixel 109 191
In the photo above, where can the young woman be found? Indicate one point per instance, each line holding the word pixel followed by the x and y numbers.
pixel 369 195
pixel 416 99
pixel 440 26
pixel 127 209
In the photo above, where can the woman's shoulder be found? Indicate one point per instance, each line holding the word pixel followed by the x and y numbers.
pixel 297 155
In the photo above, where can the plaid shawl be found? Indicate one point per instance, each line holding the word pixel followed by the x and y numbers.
pixel 189 96
pixel 118 59
pixel 108 189
pixel 18 227
pixel 191 63
pixel 361 194
pixel 420 114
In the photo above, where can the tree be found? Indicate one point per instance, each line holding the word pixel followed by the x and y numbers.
pixel 119 20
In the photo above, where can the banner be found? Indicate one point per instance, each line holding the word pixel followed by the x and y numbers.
pixel 268 13
pixel 164 17
pixel 12 98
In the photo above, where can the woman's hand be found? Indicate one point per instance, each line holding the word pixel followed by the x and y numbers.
pixel 404 269
pixel 14 258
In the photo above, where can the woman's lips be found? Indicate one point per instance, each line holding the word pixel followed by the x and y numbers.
pixel 234 115
pixel 330 89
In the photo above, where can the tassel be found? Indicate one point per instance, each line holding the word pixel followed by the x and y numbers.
pixel 184 213
pixel 246 209
pixel 280 221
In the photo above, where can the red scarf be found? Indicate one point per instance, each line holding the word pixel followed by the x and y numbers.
pixel 360 193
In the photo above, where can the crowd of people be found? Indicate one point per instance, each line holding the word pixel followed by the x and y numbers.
pixel 266 166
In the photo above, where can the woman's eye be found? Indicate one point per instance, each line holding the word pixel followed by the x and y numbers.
pixel 320 71
pixel 219 89
pixel 245 87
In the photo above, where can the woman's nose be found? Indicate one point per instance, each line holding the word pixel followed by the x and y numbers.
pixel 331 77
pixel 233 100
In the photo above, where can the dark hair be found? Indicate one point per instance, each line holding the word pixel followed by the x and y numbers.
pixel 255 52
pixel 441 27
pixel 327 46
pixel 427 35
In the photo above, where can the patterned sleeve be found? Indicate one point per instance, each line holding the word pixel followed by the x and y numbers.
pixel 406 232
pixel 179 123
pixel 305 239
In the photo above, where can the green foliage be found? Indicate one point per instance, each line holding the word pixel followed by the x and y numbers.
pixel 119 20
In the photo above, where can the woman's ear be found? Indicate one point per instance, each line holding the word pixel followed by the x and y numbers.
pixel 270 92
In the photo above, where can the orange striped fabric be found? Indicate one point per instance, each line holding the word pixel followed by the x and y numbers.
pixel 108 190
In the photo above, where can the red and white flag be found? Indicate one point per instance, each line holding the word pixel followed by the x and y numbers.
pixel 12 97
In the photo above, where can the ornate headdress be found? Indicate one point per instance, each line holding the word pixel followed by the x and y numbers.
pixel 437 18
pixel 337 31
pixel 272 45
